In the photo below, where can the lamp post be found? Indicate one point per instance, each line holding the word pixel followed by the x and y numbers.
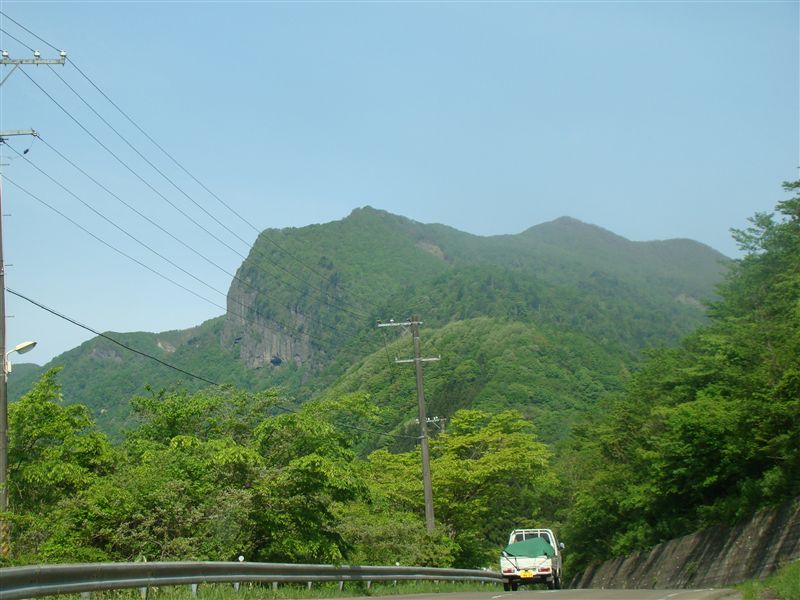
pixel 19 349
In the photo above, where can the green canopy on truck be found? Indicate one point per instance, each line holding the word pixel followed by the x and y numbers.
pixel 534 546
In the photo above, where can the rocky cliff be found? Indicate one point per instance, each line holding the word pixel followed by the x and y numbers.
pixel 719 556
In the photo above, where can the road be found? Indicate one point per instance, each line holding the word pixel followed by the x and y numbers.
pixel 707 594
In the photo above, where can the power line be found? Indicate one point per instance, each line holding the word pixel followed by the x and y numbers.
pixel 137 211
pixel 130 169
pixel 20 25
pixel 184 193
pixel 174 160
pixel 154 271
pixel 323 292
pixel 113 224
pixel 185 170
pixel 109 338
pixel 155 224
pixel 346 426
pixel 157 145
pixel 178 369
pixel 145 159
pixel 182 212
pixel 105 243
pixel 19 41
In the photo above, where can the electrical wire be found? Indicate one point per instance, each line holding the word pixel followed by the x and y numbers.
pixel 75 223
pixel 183 371
pixel 147 160
pixel 19 41
pixel 179 188
pixel 158 273
pixel 187 172
pixel 105 243
pixel 392 366
pixel 177 208
pixel 324 293
pixel 113 224
pixel 130 169
pixel 135 210
pixel 152 222
pixel 169 202
pixel 108 337
pixel 172 158
pixel 21 26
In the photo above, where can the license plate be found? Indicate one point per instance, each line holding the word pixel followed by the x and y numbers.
pixel 526 574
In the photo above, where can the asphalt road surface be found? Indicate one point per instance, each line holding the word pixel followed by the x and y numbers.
pixel 707 594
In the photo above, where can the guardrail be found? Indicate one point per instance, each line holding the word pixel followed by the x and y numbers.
pixel 18 583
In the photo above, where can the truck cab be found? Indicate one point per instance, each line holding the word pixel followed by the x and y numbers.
pixel 531 556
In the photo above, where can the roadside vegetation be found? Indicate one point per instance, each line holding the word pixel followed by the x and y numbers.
pixel 784 584
pixel 706 432
pixel 207 476
pixel 252 591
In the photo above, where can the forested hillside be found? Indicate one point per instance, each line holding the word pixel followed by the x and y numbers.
pixel 304 305
pixel 708 431
pixel 546 423
pixel 550 377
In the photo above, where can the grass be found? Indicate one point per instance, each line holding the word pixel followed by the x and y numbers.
pixel 784 584
pixel 285 591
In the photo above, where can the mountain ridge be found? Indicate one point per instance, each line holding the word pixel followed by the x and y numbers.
pixel 304 303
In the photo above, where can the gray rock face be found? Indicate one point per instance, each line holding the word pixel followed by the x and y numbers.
pixel 263 342
pixel 714 557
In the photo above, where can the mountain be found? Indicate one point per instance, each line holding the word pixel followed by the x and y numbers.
pixel 554 316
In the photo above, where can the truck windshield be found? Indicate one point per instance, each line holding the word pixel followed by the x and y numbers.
pixel 532 535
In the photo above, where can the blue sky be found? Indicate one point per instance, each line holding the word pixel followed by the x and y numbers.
pixel 655 120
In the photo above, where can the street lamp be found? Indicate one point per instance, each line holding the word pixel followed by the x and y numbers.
pixel 19 349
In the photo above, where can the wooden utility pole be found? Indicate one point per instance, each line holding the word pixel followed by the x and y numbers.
pixel 5 531
pixel 414 323
pixel 3 394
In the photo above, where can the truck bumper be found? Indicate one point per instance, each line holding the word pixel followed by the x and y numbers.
pixel 512 582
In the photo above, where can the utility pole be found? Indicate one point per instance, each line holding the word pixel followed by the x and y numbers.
pixel 5 530
pixel 414 323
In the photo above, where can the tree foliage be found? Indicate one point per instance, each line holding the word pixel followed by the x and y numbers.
pixel 489 474
pixel 706 432
pixel 53 449
pixel 220 472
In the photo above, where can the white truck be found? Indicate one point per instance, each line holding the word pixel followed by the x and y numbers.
pixel 531 556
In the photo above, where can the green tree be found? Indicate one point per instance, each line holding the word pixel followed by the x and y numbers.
pixel 489 473
pixel 53 450
pixel 309 466
pixel 706 432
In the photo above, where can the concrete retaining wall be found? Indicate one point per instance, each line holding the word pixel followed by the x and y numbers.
pixel 714 557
